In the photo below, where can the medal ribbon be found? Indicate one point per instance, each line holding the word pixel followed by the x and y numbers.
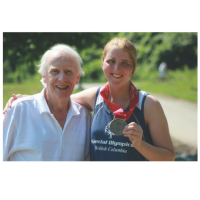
pixel 117 110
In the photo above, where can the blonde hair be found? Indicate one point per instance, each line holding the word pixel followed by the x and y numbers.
pixel 123 44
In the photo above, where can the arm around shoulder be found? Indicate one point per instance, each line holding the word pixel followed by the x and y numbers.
pixel 86 98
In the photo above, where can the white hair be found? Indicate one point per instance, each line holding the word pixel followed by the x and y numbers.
pixel 62 47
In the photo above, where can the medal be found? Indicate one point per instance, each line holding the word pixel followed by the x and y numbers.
pixel 118 123
pixel 117 126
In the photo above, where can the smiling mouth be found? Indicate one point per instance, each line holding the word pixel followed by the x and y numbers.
pixel 117 76
pixel 62 87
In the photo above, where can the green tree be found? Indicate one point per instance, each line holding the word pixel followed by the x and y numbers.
pixel 176 48
pixel 22 50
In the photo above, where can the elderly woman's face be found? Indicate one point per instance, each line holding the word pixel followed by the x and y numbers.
pixel 61 76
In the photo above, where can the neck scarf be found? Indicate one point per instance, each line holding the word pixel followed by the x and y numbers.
pixel 117 110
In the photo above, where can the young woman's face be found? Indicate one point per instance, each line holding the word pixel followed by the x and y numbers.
pixel 117 66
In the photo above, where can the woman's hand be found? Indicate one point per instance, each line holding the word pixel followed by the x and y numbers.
pixel 134 132
pixel 9 103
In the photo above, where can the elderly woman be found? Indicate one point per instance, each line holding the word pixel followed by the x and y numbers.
pixel 128 124
pixel 44 126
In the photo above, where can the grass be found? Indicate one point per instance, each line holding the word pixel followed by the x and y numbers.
pixel 179 84
pixel 28 87
pixel 179 90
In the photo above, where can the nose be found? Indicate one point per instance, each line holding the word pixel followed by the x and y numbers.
pixel 117 66
pixel 62 76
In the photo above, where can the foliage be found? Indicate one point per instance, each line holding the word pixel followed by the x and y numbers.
pixel 179 50
pixel 22 51
pixel 176 49
pixel 92 62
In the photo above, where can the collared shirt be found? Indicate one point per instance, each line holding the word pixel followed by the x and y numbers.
pixel 31 132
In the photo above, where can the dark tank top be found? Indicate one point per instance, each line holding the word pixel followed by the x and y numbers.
pixel 105 146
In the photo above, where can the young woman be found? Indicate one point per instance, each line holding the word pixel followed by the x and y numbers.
pixel 128 124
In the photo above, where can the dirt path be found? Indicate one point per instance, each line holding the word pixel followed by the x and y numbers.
pixel 182 120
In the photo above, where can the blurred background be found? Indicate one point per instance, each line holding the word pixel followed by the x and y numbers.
pixel 177 50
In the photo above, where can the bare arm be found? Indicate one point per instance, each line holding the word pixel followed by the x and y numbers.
pixel 162 148
pixel 86 97
pixel 156 121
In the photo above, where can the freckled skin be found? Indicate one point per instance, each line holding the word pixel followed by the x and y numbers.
pixel 118 67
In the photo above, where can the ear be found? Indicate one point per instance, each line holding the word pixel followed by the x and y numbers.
pixel 133 70
pixel 44 79
pixel 77 79
pixel 102 64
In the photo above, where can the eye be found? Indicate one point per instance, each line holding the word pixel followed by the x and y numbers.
pixel 54 71
pixel 125 64
pixel 111 61
pixel 68 72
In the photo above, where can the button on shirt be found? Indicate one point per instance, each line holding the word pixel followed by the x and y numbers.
pixel 31 132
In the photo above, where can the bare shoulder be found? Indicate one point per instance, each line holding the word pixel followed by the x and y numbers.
pixel 151 101
pixel 157 123
pixel 155 117
pixel 86 97
pixel 152 108
pixel 90 91
pixel 86 94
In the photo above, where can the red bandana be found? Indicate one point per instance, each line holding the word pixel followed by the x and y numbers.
pixel 117 110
